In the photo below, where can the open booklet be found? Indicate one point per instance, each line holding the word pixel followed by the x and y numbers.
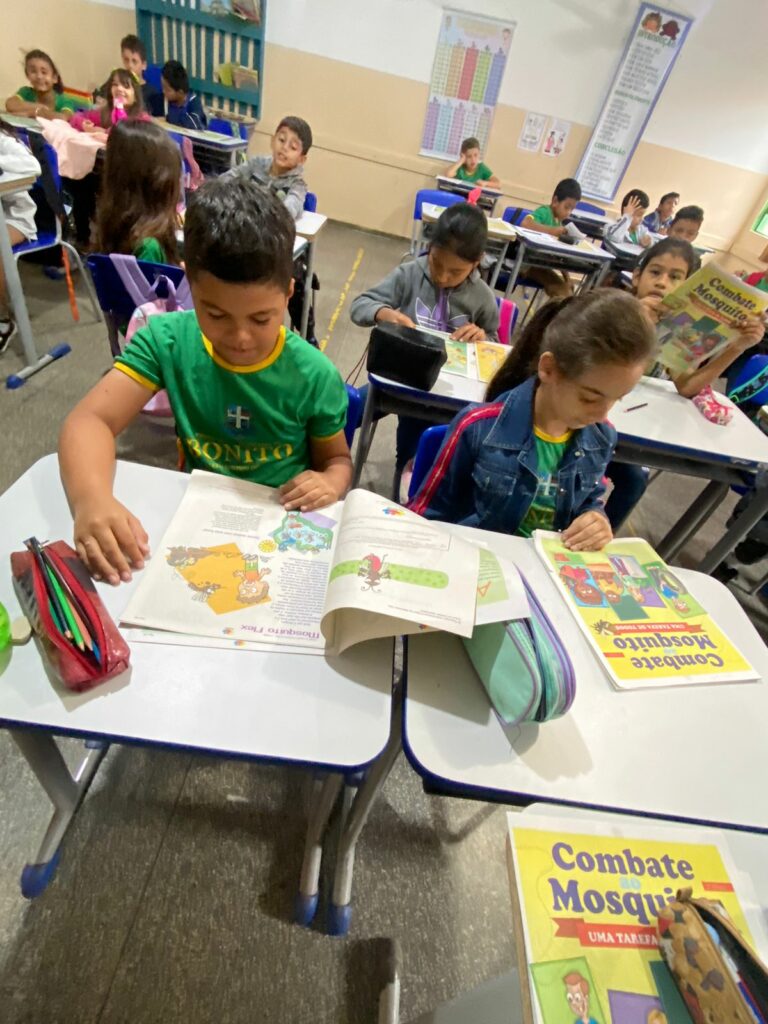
pixel 235 567
pixel 640 619
pixel 478 360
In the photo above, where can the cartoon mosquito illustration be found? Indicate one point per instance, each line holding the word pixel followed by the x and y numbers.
pixel 373 571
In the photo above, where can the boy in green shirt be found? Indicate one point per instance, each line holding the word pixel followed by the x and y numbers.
pixel 549 220
pixel 469 167
pixel 250 399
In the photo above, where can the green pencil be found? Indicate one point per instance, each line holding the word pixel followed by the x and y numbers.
pixel 78 636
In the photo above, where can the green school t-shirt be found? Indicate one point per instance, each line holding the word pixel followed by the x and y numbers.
pixel 149 249
pixel 252 422
pixel 481 173
pixel 544 215
pixel 60 102
pixel 549 454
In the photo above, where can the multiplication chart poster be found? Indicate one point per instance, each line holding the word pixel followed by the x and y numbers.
pixel 466 79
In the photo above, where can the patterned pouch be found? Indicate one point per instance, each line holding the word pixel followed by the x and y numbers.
pixel 713 407
pixel 719 977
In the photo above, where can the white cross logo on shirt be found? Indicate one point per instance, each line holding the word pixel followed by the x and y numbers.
pixel 238 417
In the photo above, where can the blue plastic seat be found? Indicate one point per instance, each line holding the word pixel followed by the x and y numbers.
pixel 515 214
pixel 430 443
pixel 310 203
pixel 354 413
pixel 222 126
pixel 589 207
pixel 428 195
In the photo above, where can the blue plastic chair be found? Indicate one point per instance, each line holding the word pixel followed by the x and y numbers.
pixel 51 239
pixel 430 443
pixel 223 127
pixel 354 413
pixel 515 215
pixel 153 74
pixel 589 207
pixel 310 203
pixel 116 304
pixel 428 195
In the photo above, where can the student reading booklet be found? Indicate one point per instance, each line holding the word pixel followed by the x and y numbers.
pixel 702 316
pixel 586 896
pixel 641 621
pixel 235 566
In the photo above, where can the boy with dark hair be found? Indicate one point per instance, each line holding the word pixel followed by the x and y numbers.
pixel 185 108
pixel 469 166
pixel 549 219
pixel 250 399
pixel 283 171
pixel 659 221
pixel 687 223
pixel 629 227
pixel 134 57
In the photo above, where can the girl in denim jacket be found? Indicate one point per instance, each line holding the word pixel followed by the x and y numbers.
pixel 534 456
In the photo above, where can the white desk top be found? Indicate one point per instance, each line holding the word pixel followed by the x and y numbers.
pixel 309 225
pixel 216 139
pixel 18 121
pixel 625 248
pixel 497 228
pixel 695 753
pixel 598 218
pixel 16 183
pixel 461 390
pixel 670 421
pixel 541 240
pixel 332 712
pixel 468 186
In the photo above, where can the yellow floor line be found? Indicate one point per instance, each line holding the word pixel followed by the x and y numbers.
pixel 342 299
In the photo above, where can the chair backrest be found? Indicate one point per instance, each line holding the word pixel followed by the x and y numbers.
pixel 222 126
pixel 429 445
pixel 589 207
pixel 508 311
pixel 310 202
pixel 436 196
pixel 750 382
pixel 354 413
pixel 153 75
pixel 515 214
pixel 110 290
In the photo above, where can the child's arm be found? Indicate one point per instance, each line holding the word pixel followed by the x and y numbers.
pixel 532 224
pixel 452 171
pixel 381 303
pixel 108 538
pixel 590 529
pixel 488 178
pixel 485 326
pixel 690 384
pixel 326 482
pixel 294 200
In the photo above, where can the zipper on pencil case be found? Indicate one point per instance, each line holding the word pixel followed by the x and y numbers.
pixel 562 654
pixel 525 651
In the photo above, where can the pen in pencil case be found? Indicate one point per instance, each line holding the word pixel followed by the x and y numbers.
pixel 79 622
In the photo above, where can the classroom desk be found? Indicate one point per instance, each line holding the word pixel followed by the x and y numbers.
pixel 669 433
pixel 592 224
pixel 537 249
pixel 603 754
pixel 498 231
pixel 331 713
pixel 626 254
pixel 34 363
pixel 488 196
pixel 215 142
pixel 499 1000
pixel 309 226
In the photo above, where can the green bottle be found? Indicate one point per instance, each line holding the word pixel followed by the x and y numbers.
pixel 5 628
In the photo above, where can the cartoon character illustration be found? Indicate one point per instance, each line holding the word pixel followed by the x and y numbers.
pixel 203 590
pixel 656 1017
pixel 603 628
pixel 577 994
pixel 181 556
pixel 576 578
pixel 669 586
pixel 373 571
pixel 652 22
pixel 671 30
pixel 252 588
pixel 302 534
pixel 611 584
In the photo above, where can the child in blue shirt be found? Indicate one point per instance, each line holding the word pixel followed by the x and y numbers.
pixel 185 108
pixel 534 456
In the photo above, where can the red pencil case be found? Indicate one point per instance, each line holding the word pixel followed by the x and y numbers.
pixel 75 670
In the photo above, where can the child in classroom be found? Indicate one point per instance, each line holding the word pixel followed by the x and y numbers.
pixel 19 214
pixel 686 223
pixel 123 99
pixel 533 457
pixel 140 192
pixel 442 291
pixel 661 269
pixel 134 56
pixel 660 220
pixel 184 107
pixel 230 369
pixel 549 219
pixel 630 227
pixel 44 96
pixel 469 166
pixel 283 171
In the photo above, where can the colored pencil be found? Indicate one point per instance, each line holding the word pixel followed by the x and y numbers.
pixel 33 545
pixel 633 407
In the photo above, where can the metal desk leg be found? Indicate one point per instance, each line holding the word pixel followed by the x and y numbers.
pixel 308 288
pixel 515 271
pixel 499 265
pixel 365 434
pixel 324 800
pixel 65 791
pixel 389 998
pixel 340 910
pixel 752 514
pixel 18 303
pixel 603 273
pixel 692 519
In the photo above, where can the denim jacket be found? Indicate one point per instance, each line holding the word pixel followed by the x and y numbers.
pixel 485 473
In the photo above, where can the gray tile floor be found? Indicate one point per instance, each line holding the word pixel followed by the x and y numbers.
pixel 173 899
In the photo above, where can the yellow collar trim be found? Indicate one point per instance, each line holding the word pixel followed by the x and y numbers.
pixel 253 367
pixel 550 438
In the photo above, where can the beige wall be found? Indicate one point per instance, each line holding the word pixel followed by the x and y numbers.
pixel 83 39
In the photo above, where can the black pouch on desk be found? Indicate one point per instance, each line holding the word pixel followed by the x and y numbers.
pixel 405 355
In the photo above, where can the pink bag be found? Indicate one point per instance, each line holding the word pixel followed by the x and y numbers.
pixel 713 407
